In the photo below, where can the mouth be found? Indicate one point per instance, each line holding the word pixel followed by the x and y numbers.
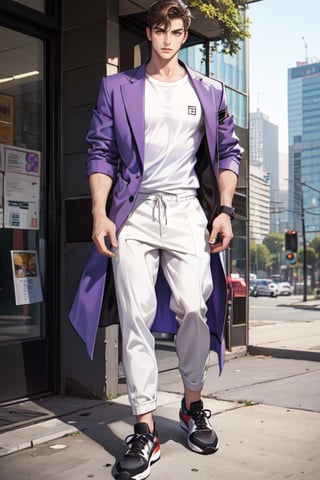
pixel 166 50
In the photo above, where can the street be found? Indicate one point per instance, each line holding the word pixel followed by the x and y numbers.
pixel 266 309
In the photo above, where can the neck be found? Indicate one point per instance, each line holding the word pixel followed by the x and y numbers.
pixel 165 70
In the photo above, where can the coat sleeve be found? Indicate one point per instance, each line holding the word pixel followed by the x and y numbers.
pixel 103 150
pixel 230 151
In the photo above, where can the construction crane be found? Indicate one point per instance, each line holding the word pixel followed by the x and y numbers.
pixel 305 50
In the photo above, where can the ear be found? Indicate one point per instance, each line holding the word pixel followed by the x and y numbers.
pixel 185 36
pixel 148 33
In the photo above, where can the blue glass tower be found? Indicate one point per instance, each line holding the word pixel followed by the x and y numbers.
pixel 232 70
pixel 304 146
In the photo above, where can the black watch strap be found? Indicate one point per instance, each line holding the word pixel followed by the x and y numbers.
pixel 228 210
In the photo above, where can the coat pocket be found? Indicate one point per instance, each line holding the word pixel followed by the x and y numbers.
pixel 121 187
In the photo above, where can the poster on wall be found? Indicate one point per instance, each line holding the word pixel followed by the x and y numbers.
pixel 6 119
pixel 26 277
pixel 21 187
pixel 21 201
pixel 20 160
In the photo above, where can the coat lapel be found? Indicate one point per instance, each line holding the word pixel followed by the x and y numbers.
pixel 133 99
pixel 207 101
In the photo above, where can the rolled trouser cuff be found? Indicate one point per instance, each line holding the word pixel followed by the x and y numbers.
pixel 144 408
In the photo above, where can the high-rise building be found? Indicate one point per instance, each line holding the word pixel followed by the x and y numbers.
pixel 304 146
pixel 279 213
pixel 259 218
pixel 264 148
pixel 264 171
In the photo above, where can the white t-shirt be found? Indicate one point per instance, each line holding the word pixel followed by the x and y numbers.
pixel 174 128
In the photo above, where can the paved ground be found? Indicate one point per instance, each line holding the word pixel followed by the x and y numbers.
pixel 266 413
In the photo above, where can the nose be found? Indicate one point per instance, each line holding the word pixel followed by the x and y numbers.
pixel 167 38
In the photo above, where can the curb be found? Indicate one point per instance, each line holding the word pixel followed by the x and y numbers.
pixel 27 437
pixel 284 353
pixel 300 306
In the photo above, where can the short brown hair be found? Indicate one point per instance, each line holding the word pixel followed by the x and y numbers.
pixel 163 11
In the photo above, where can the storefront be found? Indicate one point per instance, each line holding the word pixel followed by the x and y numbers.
pixel 28 233
pixel 52 57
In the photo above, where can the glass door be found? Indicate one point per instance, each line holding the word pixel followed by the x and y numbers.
pixel 24 366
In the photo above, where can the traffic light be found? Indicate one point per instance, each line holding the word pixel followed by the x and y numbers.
pixel 291 240
pixel 290 258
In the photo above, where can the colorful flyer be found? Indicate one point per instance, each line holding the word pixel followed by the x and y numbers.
pixel 20 160
pixel 21 201
pixel 26 277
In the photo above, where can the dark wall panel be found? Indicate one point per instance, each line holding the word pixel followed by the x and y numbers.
pixel 90 48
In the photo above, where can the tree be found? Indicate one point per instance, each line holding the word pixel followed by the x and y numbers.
pixel 311 256
pixel 275 244
pixel 260 258
pixel 315 244
pixel 234 25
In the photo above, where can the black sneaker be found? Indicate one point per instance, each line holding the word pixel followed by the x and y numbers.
pixel 144 449
pixel 201 436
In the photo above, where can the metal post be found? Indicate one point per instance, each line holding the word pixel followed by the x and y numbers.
pixel 208 49
pixel 304 248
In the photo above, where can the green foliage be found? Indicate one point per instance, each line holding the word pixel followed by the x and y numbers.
pixel 315 244
pixel 233 23
pixel 260 258
pixel 311 256
pixel 274 242
pixel 250 403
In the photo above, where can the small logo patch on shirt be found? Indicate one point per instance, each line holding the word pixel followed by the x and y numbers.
pixel 192 110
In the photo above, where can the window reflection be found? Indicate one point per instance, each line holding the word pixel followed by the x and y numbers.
pixel 21 140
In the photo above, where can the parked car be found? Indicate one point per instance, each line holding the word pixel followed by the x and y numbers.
pixel 263 287
pixel 284 288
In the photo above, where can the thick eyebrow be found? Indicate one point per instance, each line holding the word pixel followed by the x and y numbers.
pixel 178 30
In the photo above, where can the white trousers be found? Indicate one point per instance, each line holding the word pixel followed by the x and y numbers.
pixel 169 230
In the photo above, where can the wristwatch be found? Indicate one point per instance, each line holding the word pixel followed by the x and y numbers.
pixel 228 210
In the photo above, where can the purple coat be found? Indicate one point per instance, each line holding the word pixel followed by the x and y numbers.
pixel 117 132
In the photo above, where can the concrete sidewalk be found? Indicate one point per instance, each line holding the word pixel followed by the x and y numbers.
pixel 299 340
pixel 265 411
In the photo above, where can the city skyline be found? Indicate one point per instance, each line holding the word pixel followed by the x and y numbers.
pixel 282 33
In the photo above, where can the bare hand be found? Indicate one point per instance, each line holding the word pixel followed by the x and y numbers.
pixel 221 233
pixel 104 235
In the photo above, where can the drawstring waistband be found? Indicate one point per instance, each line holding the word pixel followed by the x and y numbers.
pixel 160 201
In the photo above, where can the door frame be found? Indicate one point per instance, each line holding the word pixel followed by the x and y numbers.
pixel 21 354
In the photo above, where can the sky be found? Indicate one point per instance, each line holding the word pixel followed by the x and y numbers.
pixel 277 30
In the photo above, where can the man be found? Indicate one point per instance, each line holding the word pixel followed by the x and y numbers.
pixel 154 139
